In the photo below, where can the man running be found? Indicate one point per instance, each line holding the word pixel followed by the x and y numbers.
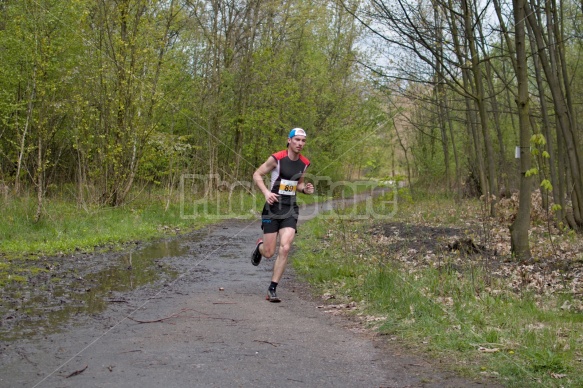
pixel 280 213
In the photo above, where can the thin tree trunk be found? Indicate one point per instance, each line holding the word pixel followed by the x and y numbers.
pixel 556 32
pixel 440 98
pixel 563 168
pixel 406 159
pixel 563 115
pixel 503 174
pixel 477 156
pixel 480 102
pixel 21 152
pixel 454 149
pixel 546 125
pixel 40 171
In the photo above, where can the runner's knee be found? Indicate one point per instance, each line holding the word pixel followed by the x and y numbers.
pixel 267 251
pixel 285 248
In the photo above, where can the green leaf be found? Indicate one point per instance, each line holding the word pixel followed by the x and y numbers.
pixel 531 172
pixel 538 139
pixel 546 184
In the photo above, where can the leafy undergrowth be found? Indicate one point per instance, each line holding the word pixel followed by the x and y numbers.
pixel 439 276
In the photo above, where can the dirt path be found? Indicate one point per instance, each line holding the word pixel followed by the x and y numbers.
pixel 211 327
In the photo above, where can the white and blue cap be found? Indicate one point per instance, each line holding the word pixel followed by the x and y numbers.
pixel 296 132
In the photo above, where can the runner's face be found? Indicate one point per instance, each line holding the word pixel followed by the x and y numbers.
pixel 297 143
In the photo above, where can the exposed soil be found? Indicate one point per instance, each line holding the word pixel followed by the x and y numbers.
pixel 67 287
pixel 190 311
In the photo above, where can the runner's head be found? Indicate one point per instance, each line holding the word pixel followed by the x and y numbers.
pixel 296 137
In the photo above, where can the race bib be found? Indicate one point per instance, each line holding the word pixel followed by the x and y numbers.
pixel 287 187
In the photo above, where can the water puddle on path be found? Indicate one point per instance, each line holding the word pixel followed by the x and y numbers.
pixel 51 298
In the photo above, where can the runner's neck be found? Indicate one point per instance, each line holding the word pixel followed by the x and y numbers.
pixel 292 155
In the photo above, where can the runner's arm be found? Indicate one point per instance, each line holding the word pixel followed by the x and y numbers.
pixel 306 188
pixel 258 175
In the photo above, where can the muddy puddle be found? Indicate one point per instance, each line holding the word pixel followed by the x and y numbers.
pixel 75 286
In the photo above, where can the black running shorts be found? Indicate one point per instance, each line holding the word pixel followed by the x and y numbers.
pixel 277 216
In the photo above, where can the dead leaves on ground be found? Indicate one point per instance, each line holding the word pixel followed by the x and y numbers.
pixel 478 241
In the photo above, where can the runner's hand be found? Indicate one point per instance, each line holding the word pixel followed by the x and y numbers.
pixel 309 188
pixel 271 198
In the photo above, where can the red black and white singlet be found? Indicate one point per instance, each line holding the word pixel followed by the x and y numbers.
pixel 285 177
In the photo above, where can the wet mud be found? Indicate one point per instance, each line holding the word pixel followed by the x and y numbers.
pixel 70 287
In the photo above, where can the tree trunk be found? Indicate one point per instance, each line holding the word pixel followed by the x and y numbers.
pixel 520 246
pixel 40 171
pixel 454 149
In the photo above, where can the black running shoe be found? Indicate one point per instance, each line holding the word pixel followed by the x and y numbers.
pixel 272 296
pixel 256 255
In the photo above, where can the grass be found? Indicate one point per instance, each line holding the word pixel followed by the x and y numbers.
pixel 467 318
pixel 65 228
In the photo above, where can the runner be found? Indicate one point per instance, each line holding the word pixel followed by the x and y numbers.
pixel 280 213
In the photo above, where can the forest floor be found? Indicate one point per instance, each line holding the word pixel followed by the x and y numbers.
pixel 190 311
pixel 471 237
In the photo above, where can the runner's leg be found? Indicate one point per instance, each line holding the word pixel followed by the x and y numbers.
pixel 286 237
pixel 267 249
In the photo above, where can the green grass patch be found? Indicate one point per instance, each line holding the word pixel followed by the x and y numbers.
pixel 464 316
pixel 65 228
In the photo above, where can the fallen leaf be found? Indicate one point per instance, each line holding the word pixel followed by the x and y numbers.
pixel 488 350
